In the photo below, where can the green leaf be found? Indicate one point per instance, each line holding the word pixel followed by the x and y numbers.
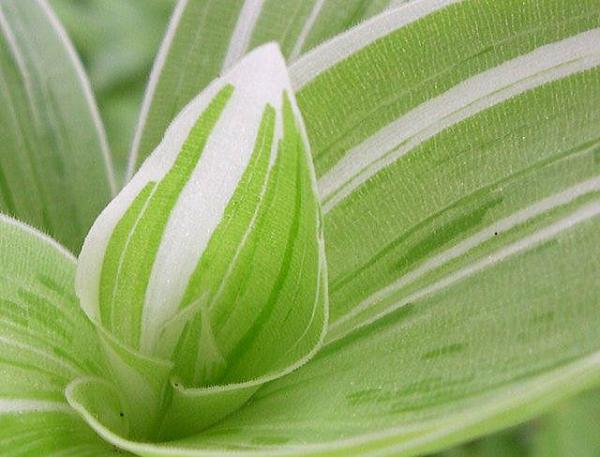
pixel 436 142
pixel 507 443
pixel 206 37
pixel 45 341
pixel 211 260
pixel 571 429
pixel 457 150
pixel 117 41
pixel 55 167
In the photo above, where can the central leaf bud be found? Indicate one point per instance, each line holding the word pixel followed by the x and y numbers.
pixel 206 276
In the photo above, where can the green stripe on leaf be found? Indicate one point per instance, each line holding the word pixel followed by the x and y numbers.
pixel 133 246
pixel 252 304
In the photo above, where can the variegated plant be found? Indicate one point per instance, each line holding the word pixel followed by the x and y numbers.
pixel 386 247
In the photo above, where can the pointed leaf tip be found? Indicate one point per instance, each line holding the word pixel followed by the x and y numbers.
pixel 212 256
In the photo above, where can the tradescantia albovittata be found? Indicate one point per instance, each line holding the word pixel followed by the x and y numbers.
pixel 386 246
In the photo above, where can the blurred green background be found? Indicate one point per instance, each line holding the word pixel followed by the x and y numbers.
pixel 118 40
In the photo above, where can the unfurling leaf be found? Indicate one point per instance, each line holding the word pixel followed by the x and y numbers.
pixel 456 149
pixel 208 268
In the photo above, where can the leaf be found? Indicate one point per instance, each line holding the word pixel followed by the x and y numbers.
pixel 507 443
pixel 206 37
pixel 55 167
pixel 456 145
pixel 45 341
pixel 211 258
pixel 118 41
pixel 387 153
pixel 571 429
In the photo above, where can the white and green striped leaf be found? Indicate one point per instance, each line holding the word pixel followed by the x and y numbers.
pixel 456 146
pixel 45 342
pixel 55 167
pixel 206 37
pixel 211 259
pixel 372 156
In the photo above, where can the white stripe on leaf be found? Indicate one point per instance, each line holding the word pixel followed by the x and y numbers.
pixel 259 80
pixel 582 214
pixel 202 203
pixel 19 406
pixel 545 64
pixel 87 92
pixel 155 73
pixel 308 25
pixel 317 61
pixel 212 257
pixel 240 39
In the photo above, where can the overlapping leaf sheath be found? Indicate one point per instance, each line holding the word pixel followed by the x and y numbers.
pixel 45 342
pixel 456 148
pixel 208 268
